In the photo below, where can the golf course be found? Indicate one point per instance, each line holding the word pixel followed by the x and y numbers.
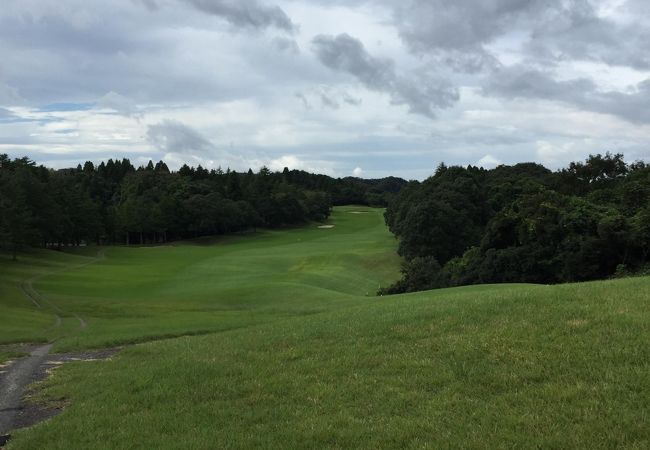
pixel 277 339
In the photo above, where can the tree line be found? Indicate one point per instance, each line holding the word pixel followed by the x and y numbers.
pixel 117 203
pixel 523 223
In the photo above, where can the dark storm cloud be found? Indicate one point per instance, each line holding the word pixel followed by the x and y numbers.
pixel 55 31
pixel 580 34
pixel 347 54
pixel 116 69
pixel 53 58
pixel 519 82
pixel 246 13
pixel 422 93
pixel 172 136
pixel 150 51
pixel 457 24
pixel 458 32
pixel 455 32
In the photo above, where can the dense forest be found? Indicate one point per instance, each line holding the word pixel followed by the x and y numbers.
pixel 463 225
pixel 523 223
pixel 114 202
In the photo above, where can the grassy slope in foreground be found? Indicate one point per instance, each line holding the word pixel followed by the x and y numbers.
pixel 486 366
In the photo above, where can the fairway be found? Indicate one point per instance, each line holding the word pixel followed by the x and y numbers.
pixel 128 295
pixel 276 339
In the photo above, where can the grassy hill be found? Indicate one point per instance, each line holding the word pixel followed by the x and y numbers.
pixel 295 352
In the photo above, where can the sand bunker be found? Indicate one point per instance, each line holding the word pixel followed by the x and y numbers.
pixel 358 212
pixel 326 226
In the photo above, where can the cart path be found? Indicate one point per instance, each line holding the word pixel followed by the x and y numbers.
pixel 13 383
pixel 18 375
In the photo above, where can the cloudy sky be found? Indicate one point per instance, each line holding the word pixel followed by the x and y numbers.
pixel 364 87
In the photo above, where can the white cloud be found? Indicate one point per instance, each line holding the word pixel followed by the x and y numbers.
pixel 293 162
pixel 556 155
pixel 488 162
pixel 120 104
pixel 243 82
pixel 289 161
pixel 357 172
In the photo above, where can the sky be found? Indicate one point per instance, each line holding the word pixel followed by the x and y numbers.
pixel 368 88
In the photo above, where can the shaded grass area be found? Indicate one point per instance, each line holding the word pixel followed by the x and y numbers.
pixel 299 357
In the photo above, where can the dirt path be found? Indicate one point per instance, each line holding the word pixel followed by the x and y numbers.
pixel 19 374
pixel 15 412
pixel 13 383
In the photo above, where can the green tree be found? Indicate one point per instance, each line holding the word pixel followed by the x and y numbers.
pixel 17 221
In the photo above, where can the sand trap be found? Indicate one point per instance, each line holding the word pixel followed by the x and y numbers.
pixel 326 226
pixel 358 212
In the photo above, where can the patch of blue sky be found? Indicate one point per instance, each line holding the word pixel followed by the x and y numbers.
pixel 55 107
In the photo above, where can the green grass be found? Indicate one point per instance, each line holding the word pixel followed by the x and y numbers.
pixel 296 355
pixel 138 294
pixel 22 321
